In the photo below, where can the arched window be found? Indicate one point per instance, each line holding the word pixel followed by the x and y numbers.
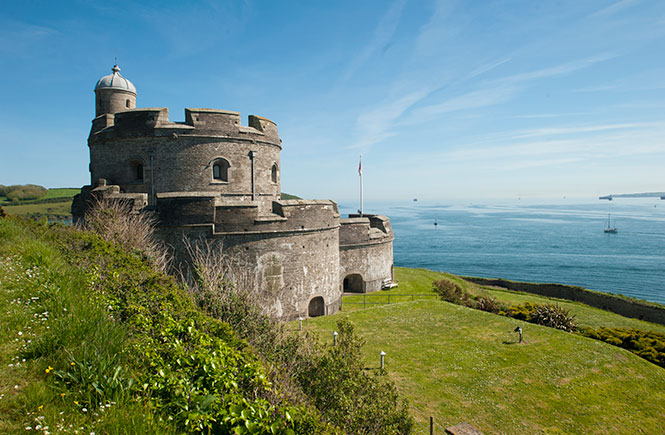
pixel 135 170
pixel 220 170
pixel 127 104
pixel 273 173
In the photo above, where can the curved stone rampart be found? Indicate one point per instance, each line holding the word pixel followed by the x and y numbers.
pixel 366 250
pixel 143 152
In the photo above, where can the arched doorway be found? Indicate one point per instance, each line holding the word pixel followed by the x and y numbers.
pixel 354 283
pixel 316 307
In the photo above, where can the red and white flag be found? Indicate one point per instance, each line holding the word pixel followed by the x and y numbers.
pixel 360 167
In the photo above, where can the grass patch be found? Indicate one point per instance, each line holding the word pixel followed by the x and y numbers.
pixel 419 281
pixel 459 364
pixel 55 205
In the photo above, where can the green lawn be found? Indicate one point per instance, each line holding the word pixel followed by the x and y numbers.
pixel 47 206
pixel 458 364
pixel 419 282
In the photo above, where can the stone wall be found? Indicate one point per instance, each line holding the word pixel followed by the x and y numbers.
pixel 293 257
pixel 179 157
pixel 366 249
pixel 606 301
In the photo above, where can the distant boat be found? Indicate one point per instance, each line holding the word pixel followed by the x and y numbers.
pixel 415 199
pixel 607 197
pixel 662 197
pixel 435 222
pixel 609 228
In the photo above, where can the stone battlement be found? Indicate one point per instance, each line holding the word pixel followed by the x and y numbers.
pixel 208 208
pixel 365 230
pixel 154 122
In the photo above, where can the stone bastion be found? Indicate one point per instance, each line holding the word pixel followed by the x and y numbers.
pixel 211 178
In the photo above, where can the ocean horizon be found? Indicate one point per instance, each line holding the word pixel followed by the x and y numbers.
pixel 535 240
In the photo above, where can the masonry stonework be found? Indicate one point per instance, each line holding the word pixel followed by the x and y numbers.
pixel 212 178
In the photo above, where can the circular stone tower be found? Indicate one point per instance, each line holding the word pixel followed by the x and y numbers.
pixel 114 93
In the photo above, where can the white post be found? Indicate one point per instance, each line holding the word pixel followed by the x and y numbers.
pixel 300 323
pixel 335 338
pixel 360 172
pixel 382 354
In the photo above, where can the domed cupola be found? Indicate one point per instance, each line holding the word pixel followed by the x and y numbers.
pixel 114 93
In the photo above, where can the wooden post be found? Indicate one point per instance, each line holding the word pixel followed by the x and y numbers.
pixel 364 300
pixel 431 425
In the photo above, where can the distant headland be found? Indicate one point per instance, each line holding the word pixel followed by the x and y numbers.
pixel 610 197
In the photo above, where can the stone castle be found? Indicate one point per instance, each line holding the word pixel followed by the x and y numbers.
pixel 211 177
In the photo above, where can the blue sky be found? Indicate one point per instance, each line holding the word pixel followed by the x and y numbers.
pixel 443 99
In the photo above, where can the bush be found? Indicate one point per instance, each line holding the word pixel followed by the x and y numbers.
pixel 553 316
pixel 550 315
pixel 2 212
pixel 116 223
pixel 19 193
pixel 489 304
pixel 450 291
pixel 333 379
pixel 647 344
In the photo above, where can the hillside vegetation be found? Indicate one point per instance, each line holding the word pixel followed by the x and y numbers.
pixel 459 364
pixel 37 202
pixel 96 339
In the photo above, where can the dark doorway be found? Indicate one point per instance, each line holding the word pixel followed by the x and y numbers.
pixel 317 307
pixel 354 283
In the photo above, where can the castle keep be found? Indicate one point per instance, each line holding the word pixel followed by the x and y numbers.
pixel 212 177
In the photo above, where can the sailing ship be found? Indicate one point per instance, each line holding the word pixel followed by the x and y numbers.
pixel 609 228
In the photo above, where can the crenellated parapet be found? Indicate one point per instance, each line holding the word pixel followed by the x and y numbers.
pixel 366 253
pixel 154 122
pixel 365 230
pixel 226 218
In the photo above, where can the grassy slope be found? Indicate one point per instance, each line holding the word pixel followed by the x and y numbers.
pixel 458 364
pixel 80 320
pixel 419 281
pixel 36 209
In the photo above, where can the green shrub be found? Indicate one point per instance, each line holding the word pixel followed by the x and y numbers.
pixel 2 212
pixel 489 304
pixel 358 400
pixel 450 291
pixel 553 316
pixel 332 378
pixel 649 345
pixel 550 315
pixel 19 193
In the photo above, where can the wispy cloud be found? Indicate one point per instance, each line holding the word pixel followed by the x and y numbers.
pixel 552 131
pixel 471 100
pixel 16 36
pixel 487 67
pixel 558 70
pixel 383 34
pixel 550 115
pixel 616 7
pixel 376 124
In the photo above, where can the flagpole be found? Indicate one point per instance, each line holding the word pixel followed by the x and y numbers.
pixel 360 172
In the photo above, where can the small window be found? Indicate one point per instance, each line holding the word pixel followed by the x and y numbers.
pixel 127 104
pixel 273 173
pixel 220 170
pixel 139 172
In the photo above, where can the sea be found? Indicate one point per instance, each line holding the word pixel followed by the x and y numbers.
pixel 535 240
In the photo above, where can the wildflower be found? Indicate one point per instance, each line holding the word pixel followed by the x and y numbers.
pixel 62 394
pixel 72 364
pixel 39 408
pixel 84 409
pixel 49 369
pixel 76 402
pixel 20 333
